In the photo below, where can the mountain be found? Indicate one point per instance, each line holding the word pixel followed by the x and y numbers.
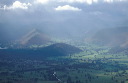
pixel 58 49
pixel 111 37
pixel 34 37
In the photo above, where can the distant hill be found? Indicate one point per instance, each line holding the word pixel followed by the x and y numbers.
pixel 58 49
pixel 34 37
pixel 112 37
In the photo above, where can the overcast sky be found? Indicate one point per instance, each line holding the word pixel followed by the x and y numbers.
pixel 64 16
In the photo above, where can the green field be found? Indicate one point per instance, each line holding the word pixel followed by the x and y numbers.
pixel 94 65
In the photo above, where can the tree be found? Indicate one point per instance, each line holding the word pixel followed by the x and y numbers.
pixel 69 79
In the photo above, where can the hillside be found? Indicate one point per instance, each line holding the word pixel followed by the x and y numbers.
pixel 58 49
pixel 112 37
pixel 34 37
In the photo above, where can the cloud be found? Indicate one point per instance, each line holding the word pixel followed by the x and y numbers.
pixel 111 1
pixel 67 7
pixel 96 13
pixel 80 1
pixel 41 1
pixel 67 1
pixel 17 4
pixel 89 2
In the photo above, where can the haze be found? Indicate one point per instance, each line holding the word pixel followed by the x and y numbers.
pixel 64 18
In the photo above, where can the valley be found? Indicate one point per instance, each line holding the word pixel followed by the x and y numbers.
pixel 94 64
pixel 63 41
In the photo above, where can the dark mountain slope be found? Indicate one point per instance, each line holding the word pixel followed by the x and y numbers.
pixel 58 49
